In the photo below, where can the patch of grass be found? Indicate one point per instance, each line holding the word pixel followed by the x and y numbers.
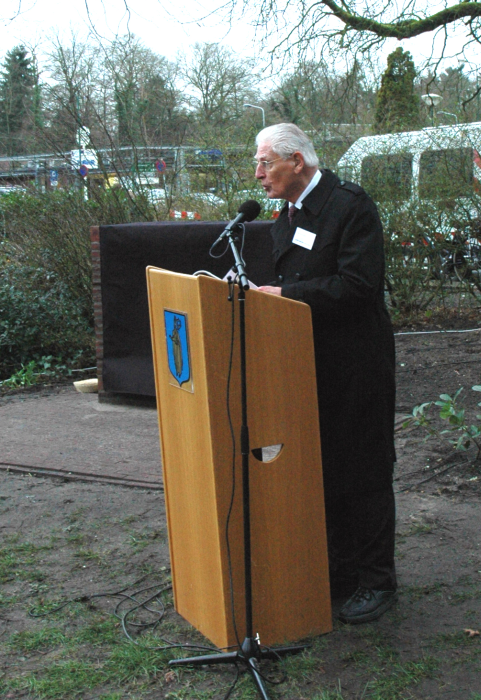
pixel 463 596
pixel 394 680
pixel 49 607
pixel 87 555
pixel 40 639
pixel 140 540
pixel 420 529
pixel 418 592
pixel 125 662
pixel 68 679
pixel 129 519
pixel 329 695
pixel 356 657
pixel 75 538
pixel 7 601
pixel 186 694
pixel 18 558
pixel 452 640
pixel 75 515
pixel 101 630
pixel 300 667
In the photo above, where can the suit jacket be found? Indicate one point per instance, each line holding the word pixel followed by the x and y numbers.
pixel 342 280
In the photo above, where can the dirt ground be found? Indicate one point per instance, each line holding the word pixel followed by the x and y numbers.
pixel 65 538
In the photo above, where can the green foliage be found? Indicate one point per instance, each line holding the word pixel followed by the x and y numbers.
pixel 460 434
pixel 40 320
pixel 397 105
pixel 424 260
pixel 415 275
pixel 46 309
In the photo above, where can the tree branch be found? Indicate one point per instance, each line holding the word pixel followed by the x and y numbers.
pixel 403 29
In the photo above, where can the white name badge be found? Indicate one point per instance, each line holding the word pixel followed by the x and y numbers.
pixel 304 238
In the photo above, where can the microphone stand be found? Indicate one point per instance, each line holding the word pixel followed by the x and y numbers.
pixel 250 652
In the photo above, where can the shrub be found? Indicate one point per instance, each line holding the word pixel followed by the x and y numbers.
pixel 45 266
pixel 40 317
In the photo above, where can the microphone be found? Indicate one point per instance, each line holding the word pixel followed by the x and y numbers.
pixel 248 211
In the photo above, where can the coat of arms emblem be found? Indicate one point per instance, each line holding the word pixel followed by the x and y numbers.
pixel 177 347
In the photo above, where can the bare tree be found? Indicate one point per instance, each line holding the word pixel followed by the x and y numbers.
pixel 355 24
pixel 219 83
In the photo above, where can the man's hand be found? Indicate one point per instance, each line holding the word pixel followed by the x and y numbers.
pixel 271 290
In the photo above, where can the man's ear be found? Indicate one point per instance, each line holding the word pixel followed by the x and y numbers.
pixel 298 161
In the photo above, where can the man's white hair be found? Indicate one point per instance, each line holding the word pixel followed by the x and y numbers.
pixel 285 139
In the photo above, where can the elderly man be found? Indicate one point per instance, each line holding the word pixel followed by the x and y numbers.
pixel 328 251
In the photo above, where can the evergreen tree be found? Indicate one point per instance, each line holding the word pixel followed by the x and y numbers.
pixel 397 104
pixel 19 100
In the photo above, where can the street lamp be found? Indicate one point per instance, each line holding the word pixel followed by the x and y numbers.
pixel 451 114
pixel 431 101
pixel 262 110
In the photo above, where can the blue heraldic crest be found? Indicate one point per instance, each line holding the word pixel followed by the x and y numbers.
pixel 177 346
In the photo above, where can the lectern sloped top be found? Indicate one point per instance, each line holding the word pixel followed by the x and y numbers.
pixel 195 354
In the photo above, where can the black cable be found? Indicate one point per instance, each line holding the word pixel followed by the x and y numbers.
pixel 221 255
pixel 231 689
pixel 86 598
pixel 232 285
pixel 227 246
pixel 138 604
pixel 283 678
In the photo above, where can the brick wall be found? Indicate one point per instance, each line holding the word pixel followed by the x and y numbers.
pixel 97 298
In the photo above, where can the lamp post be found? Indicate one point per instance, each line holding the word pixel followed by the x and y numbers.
pixel 451 114
pixel 431 101
pixel 262 110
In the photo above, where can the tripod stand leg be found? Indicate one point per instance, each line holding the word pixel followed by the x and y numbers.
pixel 207 659
pixel 249 656
pixel 258 680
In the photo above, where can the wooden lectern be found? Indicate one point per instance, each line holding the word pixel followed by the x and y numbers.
pixel 191 322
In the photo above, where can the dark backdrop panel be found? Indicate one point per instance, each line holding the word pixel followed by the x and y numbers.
pixel 125 251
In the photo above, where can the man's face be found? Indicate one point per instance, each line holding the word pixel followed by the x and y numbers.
pixel 280 179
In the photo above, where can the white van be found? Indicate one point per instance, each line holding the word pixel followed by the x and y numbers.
pixel 432 180
pixel 438 163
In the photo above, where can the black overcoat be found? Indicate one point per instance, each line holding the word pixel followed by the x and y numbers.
pixel 342 280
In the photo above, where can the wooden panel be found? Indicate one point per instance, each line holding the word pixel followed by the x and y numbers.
pixel 290 566
pixel 187 462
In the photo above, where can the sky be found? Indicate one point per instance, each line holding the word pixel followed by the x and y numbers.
pixel 150 20
pixel 33 22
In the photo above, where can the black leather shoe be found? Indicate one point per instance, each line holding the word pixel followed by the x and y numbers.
pixel 366 605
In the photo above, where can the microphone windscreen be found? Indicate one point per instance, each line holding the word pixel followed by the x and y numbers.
pixel 251 209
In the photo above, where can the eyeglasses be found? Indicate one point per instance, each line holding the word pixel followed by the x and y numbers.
pixel 266 164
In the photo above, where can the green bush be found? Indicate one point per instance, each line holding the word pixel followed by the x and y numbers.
pixel 40 317
pixel 421 254
pixel 46 304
